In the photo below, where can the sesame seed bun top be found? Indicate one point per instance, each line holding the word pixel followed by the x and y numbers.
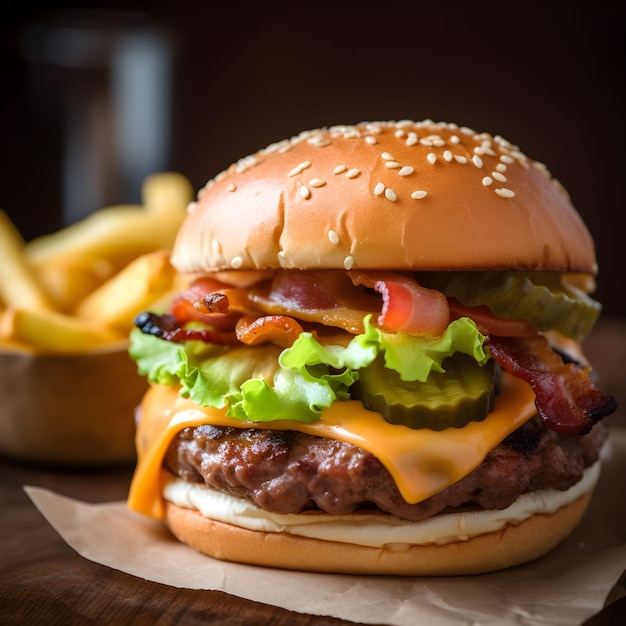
pixel 386 195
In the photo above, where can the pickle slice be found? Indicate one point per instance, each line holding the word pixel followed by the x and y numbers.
pixel 463 393
pixel 539 297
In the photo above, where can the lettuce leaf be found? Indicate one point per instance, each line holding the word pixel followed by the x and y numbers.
pixel 266 383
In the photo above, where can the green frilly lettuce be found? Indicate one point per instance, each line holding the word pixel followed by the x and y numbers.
pixel 267 383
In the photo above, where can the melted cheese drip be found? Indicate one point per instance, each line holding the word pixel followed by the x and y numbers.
pixel 422 462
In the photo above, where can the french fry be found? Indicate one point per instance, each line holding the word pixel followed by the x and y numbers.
pixel 49 331
pixel 68 282
pixel 121 232
pixel 165 192
pixel 18 285
pixel 80 288
pixel 117 302
pixel 9 346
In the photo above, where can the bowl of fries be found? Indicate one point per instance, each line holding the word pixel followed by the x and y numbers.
pixel 68 388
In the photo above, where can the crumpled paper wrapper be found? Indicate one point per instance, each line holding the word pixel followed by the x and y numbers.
pixel 563 588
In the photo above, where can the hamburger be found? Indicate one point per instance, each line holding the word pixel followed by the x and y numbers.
pixel 375 364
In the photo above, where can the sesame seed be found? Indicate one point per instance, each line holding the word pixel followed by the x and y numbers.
pixel 333 237
pixel 411 141
pixel 501 167
pixel 487 181
pixel 447 155
pixel 426 142
pixel 317 182
pixel 406 170
pixel 379 189
pixel 236 263
pixel 459 158
pixel 477 161
pixel 390 195
pixel 502 141
pixel 216 246
pixel 305 192
pixel 419 194
pixel 504 192
pixel 392 164
pixel 499 177
pixel 454 139
pixel 340 169
pixel 439 143
pixel 348 262
pixel 387 156
pixel 353 173
pixel 191 207
pixel 400 133
pixel 371 140
pixel 432 157
pixel 505 158
pixel 232 187
pixel 318 140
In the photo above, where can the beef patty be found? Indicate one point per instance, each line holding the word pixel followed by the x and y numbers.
pixel 291 472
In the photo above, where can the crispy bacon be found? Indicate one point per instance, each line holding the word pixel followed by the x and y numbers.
pixel 203 301
pixel 278 329
pixel 567 400
pixel 407 306
pixel 169 328
pixel 325 297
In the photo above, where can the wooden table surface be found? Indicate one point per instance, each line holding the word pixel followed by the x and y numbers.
pixel 43 581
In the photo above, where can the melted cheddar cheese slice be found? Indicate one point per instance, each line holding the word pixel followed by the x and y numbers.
pixel 422 462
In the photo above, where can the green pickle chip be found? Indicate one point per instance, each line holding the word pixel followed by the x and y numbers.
pixel 541 298
pixel 463 393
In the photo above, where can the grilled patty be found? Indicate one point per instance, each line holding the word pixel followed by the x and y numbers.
pixel 291 472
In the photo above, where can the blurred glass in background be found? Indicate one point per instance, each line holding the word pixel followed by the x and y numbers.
pixel 108 76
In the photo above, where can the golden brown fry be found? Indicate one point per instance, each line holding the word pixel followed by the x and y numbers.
pixel 10 346
pixel 49 331
pixel 70 281
pixel 80 288
pixel 124 231
pixel 168 191
pixel 118 301
pixel 18 285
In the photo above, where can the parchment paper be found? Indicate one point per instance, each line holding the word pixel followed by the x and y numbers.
pixel 561 589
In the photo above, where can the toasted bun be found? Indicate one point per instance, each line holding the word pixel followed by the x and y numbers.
pixel 389 195
pixel 513 545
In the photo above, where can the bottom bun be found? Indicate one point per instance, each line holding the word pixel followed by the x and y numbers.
pixel 513 545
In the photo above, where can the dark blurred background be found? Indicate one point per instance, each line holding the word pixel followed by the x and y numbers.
pixel 96 95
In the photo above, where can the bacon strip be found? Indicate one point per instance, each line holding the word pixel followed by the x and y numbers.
pixel 278 329
pixel 407 306
pixel 325 297
pixel 566 398
pixel 169 328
